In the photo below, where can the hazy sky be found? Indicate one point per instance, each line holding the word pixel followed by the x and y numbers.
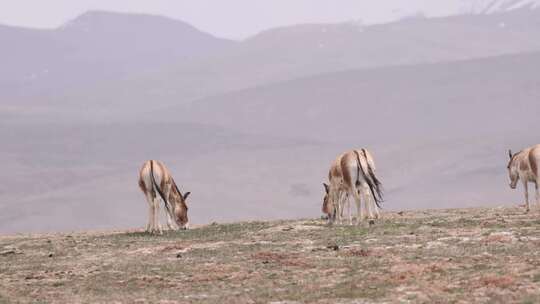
pixel 227 18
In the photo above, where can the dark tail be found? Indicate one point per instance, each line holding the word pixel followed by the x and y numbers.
pixel 375 186
pixel 157 187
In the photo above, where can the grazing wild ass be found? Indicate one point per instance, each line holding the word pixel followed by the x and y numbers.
pixel 524 166
pixel 353 175
pixel 155 179
pixel 335 178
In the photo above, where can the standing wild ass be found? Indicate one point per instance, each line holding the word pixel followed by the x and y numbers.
pixel 353 175
pixel 524 165
pixel 155 177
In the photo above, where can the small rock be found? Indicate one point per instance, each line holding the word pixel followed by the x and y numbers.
pixel 8 252
pixel 400 213
pixel 51 255
pixel 371 222
pixel 333 247
pixel 178 255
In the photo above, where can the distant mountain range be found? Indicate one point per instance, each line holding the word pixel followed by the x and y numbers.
pixel 107 61
pixel 96 48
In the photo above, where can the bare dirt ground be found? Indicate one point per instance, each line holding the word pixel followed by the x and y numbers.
pixel 439 256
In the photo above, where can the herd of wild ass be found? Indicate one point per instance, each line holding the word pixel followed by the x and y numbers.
pixel 352 174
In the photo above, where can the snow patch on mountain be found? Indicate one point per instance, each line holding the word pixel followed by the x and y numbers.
pixel 497 6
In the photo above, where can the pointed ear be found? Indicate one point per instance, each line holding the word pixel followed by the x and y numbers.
pixel 186 195
pixel 510 154
pixel 326 187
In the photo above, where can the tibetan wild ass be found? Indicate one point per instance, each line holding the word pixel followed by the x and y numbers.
pixel 358 179
pixel 155 177
pixel 524 165
pixel 330 208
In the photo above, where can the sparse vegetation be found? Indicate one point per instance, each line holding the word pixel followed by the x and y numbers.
pixel 450 256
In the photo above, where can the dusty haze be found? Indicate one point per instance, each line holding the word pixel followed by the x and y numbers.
pixel 250 127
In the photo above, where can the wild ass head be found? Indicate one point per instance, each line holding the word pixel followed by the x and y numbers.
pixel 512 167
pixel 180 208
pixel 328 206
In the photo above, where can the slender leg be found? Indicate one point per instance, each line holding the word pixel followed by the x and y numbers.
pixel 343 202
pixel 149 224
pixel 349 208
pixel 339 210
pixel 359 210
pixel 336 202
pixel 334 213
pixel 377 213
pixel 346 205
pixel 168 218
pixel 373 211
pixel 156 216
pixel 153 229
pixel 341 207
pixel 368 200
pixel 526 187
pixel 363 207
pixel 158 206
pixel 170 222
pixel 537 194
